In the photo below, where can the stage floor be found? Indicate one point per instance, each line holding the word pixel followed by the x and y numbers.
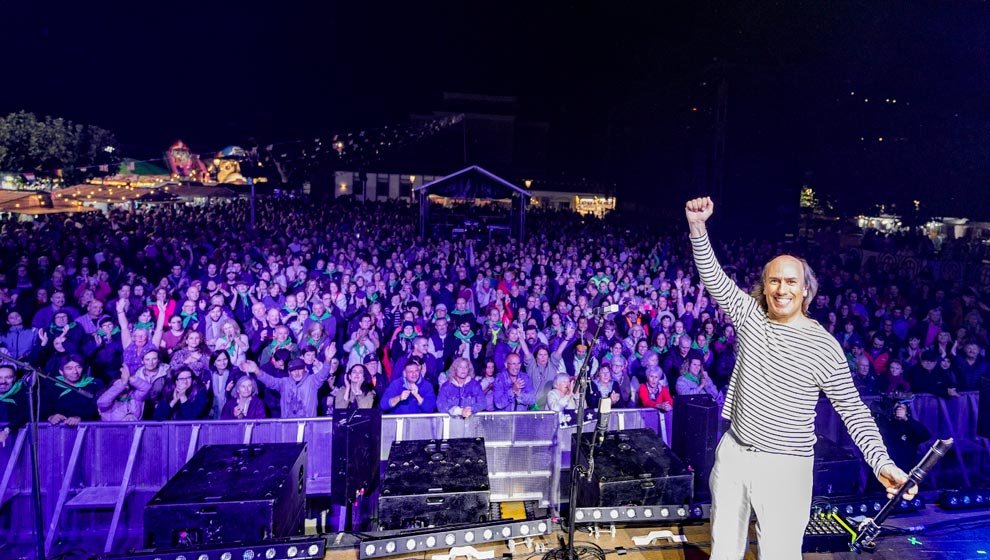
pixel 946 535
pixel 961 535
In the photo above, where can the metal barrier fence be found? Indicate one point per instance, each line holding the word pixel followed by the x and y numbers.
pixel 97 478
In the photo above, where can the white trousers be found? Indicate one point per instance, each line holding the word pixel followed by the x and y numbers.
pixel 776 487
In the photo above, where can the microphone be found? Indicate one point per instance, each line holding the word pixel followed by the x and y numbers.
pixel 604 411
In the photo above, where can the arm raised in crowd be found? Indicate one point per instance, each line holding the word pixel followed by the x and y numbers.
pixel 125 327
pixel 156 337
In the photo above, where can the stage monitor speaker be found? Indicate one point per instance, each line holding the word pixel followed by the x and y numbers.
pixel 355 453
pixel 632 468
pixel 695 436
pixel 231 493
pixel 837 470
pixel 432 483
pixel 983 420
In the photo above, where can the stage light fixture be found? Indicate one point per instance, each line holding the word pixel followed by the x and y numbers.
pixel 641 514
pixel 870 504
pixel 971 498
pixel 379 545
pixel 293 548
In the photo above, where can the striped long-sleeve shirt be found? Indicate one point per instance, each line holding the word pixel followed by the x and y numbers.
pixel 780 370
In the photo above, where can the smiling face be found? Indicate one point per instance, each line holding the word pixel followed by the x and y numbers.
pixel 245 388
pixel 356 375
pixel 150 361
pixel 784 289
pixel 193 339
pixel 7 378
pixel 72 371
pixel 184 380
pixel 221 362
pixel 297 374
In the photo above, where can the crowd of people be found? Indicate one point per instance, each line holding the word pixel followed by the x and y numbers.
pixel 183 312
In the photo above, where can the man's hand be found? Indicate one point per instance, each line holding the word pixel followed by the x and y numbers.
pixel 55 419
pixel 466 411
pixel 697 211
pixel 892 479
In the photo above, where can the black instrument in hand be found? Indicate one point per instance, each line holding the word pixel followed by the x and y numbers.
pixel 869 530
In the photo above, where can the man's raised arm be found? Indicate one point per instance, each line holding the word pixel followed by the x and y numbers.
pixel 737 303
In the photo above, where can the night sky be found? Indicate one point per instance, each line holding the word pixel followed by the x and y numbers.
pixel 630 93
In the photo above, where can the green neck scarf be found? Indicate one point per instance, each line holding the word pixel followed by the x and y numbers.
pixel 187 318
pixel 58 330
pixel 61 382
pixel 321 317
pixel 275 345
pixel 8 397
pixel 496 328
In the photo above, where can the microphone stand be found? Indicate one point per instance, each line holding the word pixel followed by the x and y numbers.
pixel 869 529
pixel 577 472
pixel 34 410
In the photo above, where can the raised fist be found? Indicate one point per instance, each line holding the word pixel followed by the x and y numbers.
pixel 698 210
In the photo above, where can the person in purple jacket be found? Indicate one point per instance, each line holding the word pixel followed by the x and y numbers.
pixel 246 403
pixel 462 394
pixel 124 400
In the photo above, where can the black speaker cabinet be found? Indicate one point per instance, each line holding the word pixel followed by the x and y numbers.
pixel 837 470
pixel 695 435
pixel 355 453
pixel 983 420
pixel 432 483
pixel 632 467
pixel 231 493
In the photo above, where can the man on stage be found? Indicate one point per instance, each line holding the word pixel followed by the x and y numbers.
pixel 765 462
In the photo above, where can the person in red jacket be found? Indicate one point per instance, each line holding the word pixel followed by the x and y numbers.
pixel 655 393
